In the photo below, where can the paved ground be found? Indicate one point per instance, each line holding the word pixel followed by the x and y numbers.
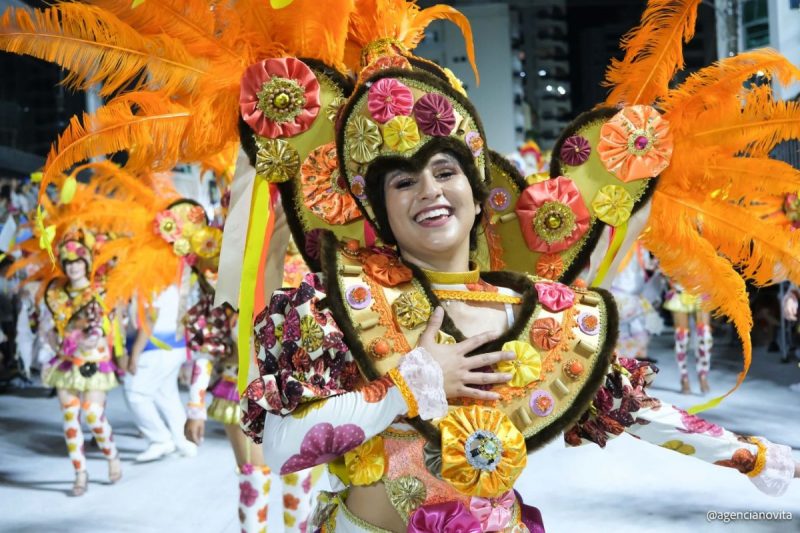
pixel 630 486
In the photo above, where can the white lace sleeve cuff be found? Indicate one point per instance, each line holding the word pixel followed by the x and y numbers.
pixel 194 412
pixel 424 377
pixel 778 469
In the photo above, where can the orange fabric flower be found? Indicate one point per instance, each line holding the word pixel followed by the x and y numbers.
pixel 324 190
pixel 290 502
pixel 71 433
pixel 545 333
pixel 636 143
pixel 388 271
pixel 550 266
pixel 262 514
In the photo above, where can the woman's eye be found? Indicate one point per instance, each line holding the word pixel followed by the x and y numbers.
pixel 445 174
pixel 403 183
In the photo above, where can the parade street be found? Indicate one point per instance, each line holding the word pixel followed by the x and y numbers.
pixel 629 486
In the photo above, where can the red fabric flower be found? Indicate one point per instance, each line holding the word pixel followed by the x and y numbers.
pixel 279 97
pixel 434 114
pixel 554 296
pixel 388 271
pixel 552 215
pixel 388 98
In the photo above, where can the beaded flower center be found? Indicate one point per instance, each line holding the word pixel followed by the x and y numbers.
pixel 281 99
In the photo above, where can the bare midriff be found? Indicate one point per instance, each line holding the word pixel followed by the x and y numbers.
pixel 371 503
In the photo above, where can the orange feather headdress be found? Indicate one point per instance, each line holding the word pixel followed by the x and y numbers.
pixel 707 225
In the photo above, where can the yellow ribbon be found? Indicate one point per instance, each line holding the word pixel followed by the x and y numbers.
pixel 259 221
pixel 161 345
pixel 616 243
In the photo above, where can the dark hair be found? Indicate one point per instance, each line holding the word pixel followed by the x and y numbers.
pixel 380 168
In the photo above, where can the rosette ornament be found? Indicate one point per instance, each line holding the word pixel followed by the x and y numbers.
pixel 636 143
pixel 324 190
pixel 552 215
pixel 279 97
pixel 482 452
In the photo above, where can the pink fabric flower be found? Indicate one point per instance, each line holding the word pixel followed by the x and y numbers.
pixel 552 215
pixel 450 516
pixel 493 513
pixel 70 343
pixel 554 296
pixel 695 424
pixel 279 97
pixel 388 98
pixel 434 114
pixel 247 469
pixel 247 494
pixel 322 444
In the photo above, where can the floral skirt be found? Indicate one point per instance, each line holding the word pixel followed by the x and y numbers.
pixel 67 374
pixel 333 516
pixel 682 302
pixel 224 407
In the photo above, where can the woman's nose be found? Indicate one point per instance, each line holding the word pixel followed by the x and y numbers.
pixel 430 187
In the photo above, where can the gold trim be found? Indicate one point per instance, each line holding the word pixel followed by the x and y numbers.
pixel 472 276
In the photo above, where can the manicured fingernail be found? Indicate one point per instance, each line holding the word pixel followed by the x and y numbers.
pixel 495 396
pixel 506 376
pixel 511 355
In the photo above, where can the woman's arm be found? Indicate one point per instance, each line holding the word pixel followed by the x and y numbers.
pixel 622 405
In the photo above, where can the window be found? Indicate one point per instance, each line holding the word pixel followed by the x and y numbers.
pixel 755 23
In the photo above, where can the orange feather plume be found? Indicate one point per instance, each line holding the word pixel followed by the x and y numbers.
pixel 96 48
pixel 653 53
pixel 402 21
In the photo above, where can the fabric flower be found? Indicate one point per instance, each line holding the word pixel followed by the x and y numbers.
pixel 388 98
pixel 406 493
pixel 401 134
pixel 526 368
pixel 411 309
pixel 387 270
pixel 434 114
pixel 383 63
pixel 542 402
pixel 366 463
pixel 247 494
pixel 276 160
pixel 482 452
pixel 791 208
pixel 493 513
pixel 679 446
pixel 695 424
pixel 575 150
pixel 474 143
pixel 549 266
pixel 742 460
pixel 455 83
pixel 552 215
pixel 545 333
pixel 279 97
pixel 324 190
pixel 167 225
pixel 555 296
pixel 449 516
pixel 207 242
pixel 612 204
pixel 636 143
pixel 363 139
pixel 181 247
pixel 322 444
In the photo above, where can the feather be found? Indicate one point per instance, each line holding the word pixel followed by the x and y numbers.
pixel 653 53
pixel 722 84
pixel 154 133
pixel 402 21
pixel 195 23
pixel 97 48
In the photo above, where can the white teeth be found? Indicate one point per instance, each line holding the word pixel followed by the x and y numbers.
pixel 433 213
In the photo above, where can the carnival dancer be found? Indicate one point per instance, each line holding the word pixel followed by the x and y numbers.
pixel 83 369
pixel 151 387
pixel 402 157
pixel 635 289
pixel 686 308
pixel 210 333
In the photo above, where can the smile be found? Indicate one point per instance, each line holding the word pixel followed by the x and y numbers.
pixel 434 215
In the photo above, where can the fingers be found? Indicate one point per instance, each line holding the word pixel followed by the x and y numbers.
pixel 486 378
pixel 474 342
pixel 487 359
pixel 469 392
pixel 434 324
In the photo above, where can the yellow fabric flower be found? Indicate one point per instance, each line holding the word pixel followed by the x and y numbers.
pixel 526 367
pixel 679 446
pixel 401 133
pixel 364 139
pixel 411 309
pixel 482 452
pixel 612 204
pixel 366 463
pixel 276 160
pixel 290 479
